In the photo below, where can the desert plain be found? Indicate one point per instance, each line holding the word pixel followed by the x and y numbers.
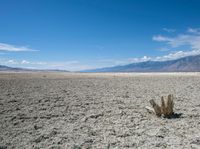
pixel 97 110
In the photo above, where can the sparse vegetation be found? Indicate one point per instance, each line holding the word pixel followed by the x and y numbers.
pixel 166 108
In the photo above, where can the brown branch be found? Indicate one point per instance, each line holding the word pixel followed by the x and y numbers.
pixel 156 107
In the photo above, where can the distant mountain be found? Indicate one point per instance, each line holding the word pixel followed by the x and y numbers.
pixel 6 68
pixel 185 64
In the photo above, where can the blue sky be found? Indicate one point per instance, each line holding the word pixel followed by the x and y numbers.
pixel 85 34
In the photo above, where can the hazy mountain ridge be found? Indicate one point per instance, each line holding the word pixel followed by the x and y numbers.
pixel 185 64
pixel 6 68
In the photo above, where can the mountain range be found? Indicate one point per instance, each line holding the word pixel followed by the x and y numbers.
pixel 6 68
pixel 185 64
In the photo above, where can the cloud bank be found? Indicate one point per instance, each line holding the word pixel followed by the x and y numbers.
pixel 191 38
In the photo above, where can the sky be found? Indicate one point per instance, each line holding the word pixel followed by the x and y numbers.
pixel 86 34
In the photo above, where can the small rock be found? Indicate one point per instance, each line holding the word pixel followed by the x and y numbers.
pixel 76 147
pixel 3 147
pixel 197 142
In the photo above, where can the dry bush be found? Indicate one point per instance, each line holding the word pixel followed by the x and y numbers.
pixel 166 108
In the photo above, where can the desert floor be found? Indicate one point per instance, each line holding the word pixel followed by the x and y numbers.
pixel 105 110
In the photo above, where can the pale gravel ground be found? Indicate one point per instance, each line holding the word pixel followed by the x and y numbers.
pixel 75 111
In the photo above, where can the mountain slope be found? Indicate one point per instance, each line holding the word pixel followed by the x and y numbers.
pixel 186 64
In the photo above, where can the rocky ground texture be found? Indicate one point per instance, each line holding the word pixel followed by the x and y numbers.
pixel 100 111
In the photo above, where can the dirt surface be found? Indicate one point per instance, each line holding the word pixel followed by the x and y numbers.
pixel 105 111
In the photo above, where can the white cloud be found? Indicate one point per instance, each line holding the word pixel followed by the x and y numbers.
pixel 11 61
pixel 181 40
pixel 170 56
pixel 194 30
pixel 176 55
pixel 169 30
pixel 25 62
pixel 190 38
pixel 137 60
pixel 146 58
pixel 161 38
pixel 12 48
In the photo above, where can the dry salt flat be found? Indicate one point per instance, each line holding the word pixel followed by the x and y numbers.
pixel 98 110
